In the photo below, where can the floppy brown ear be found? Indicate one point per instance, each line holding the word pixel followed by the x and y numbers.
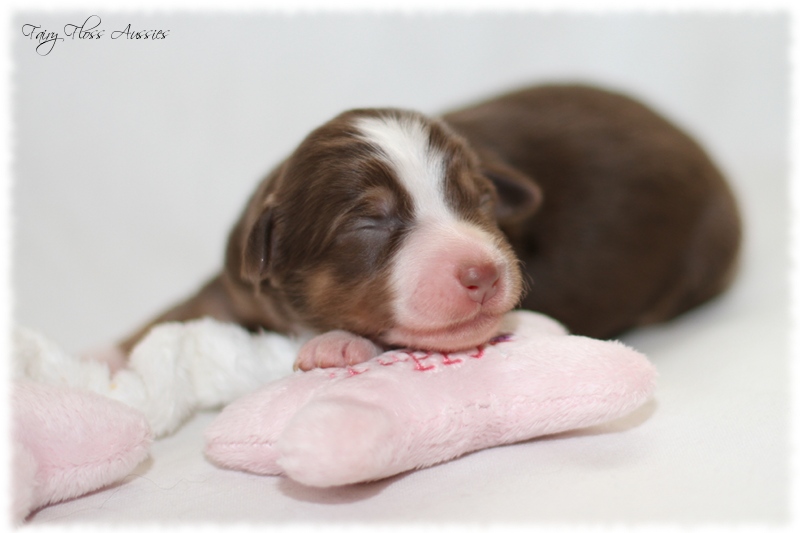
pixel 257 247
pixel 518 195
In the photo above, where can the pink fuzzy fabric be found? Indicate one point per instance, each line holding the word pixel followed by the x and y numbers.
pixel 404 410
pixel 68 442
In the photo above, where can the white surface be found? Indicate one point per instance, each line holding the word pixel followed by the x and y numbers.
pixel 132 159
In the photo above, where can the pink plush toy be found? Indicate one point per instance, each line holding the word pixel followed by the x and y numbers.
pixel 406 410
pixel 68 442
pixel 399 411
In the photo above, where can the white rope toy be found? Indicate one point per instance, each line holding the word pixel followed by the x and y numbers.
pixel 173 372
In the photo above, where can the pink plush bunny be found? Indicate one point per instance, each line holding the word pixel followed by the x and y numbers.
pixel 406 410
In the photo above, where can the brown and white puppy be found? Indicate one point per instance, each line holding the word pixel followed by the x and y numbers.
pixel 389 228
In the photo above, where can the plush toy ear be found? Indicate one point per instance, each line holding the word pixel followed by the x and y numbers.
pixel 518 195
pixel 258 246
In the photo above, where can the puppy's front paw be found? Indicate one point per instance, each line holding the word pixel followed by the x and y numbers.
pixel 335 348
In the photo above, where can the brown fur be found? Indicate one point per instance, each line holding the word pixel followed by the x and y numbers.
pixel 637 224
pixel 618 218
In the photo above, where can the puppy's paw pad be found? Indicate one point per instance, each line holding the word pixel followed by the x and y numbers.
pixel 335 349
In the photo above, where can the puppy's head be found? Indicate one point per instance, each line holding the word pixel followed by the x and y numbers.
pixel 384 223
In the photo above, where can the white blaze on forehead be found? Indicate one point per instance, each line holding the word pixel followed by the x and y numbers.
pixel 404 142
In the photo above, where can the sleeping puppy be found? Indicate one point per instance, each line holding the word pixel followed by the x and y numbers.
pixel 386 227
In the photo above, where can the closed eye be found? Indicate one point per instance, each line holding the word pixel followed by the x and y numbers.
pixel 371 223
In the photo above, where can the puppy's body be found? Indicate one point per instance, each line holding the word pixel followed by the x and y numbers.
pixel 386 227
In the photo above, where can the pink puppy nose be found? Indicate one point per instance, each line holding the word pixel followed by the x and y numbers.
pixel 480 281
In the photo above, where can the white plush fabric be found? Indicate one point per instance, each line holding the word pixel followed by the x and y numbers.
pixel 132 160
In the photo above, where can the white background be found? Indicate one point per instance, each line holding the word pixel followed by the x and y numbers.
pixel 131 159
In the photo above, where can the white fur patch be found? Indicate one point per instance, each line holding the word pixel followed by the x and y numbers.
pixel 419 167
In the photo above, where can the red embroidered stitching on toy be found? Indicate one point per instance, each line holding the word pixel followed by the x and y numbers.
pixel 419 366
pixel 449 361
pixel 350 371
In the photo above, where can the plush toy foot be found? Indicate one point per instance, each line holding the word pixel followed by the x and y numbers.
pixel 67 443
pixel 354 433
pixel 335 349
pixel 404 410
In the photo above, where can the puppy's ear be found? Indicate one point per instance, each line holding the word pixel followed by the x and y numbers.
pixel 518 195
pixel 258 246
